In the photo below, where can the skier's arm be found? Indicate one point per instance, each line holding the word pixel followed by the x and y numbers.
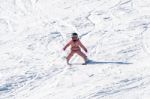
pixel 82 46
pixel 67 45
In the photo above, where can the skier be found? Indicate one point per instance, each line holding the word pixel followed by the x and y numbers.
pixel 75 48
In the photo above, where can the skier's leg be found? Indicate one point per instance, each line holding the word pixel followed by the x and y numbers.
pixel 69 56
pixel 82 55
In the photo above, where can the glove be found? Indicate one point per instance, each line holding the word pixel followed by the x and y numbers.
pixel 85 50
pixel 64 48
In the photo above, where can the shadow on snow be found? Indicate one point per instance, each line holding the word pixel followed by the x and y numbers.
pixel 108 62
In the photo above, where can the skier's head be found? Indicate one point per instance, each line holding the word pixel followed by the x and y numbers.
pixel 74 36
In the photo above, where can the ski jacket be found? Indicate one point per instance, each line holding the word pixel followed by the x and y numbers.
pixel 75 45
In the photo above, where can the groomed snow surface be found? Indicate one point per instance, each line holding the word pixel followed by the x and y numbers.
pixel 115 32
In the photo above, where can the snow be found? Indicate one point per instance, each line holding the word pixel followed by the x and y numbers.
pixel 115 32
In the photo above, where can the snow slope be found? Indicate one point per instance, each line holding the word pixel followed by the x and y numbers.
pixel 115 32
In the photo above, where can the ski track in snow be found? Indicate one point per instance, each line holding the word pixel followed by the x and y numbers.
pixel 33 33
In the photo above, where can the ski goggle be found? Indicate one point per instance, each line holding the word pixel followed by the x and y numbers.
pixel 74 37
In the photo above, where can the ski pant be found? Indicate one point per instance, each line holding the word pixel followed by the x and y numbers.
pixel 79 52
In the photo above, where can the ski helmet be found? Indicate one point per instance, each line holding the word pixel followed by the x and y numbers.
pixel 74 35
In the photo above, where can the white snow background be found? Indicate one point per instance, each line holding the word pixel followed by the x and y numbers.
pixel 115 32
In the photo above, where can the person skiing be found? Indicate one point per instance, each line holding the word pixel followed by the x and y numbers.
pixel 76 46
